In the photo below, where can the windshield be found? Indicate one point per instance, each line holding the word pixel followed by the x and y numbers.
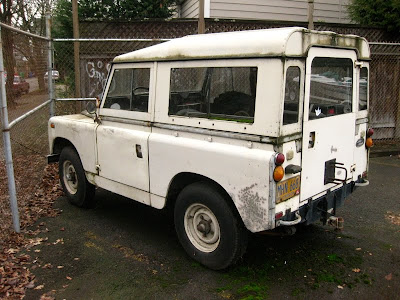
pixel 331 87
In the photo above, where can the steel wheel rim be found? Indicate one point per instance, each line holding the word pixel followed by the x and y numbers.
pixel 70 178
pixel 202 227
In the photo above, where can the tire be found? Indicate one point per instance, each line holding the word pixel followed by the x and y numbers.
pixel 208 227
pixel 73 179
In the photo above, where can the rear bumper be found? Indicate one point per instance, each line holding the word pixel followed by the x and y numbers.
pixel 322 208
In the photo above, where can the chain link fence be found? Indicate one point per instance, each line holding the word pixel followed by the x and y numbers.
pixel 25 112
pixel 385 92
pixel 25 71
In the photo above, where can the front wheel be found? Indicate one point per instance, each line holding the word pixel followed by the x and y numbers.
pixel 208 227
pixel 73 179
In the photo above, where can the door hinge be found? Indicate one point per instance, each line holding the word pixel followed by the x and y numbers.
pixel 98 169
pixel 358 64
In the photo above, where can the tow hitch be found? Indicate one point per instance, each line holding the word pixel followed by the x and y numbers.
pixel 336 222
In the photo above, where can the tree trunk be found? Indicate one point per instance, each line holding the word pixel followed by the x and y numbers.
pixel 9 64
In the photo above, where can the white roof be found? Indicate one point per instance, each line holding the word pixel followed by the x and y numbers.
pixel 291 41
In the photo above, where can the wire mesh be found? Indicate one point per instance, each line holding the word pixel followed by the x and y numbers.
pixel 25 66
pixel 95 59
pixel 385 91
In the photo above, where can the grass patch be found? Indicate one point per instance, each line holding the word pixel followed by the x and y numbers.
pixel 387 246
pixel 246 282
pixel 252 291
pixel 328 277
pixel 305 261
pixel 298 291
pixel 334 258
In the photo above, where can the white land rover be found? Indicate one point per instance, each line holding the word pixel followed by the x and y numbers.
pixel 241 131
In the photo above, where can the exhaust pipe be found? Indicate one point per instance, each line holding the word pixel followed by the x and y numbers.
pixel 336 222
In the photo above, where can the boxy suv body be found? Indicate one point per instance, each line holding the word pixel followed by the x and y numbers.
pixel 242 131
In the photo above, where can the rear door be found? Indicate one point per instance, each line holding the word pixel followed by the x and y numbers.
pixel 328 121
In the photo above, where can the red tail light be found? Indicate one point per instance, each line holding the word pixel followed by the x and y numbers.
pixel 278 215
pixel 279 159
pixel 369 142
pixel 279 172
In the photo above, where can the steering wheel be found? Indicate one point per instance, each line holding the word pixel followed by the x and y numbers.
pixel 139 88
pixel 242 113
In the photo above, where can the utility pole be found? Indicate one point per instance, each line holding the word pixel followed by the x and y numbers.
pixel 311 14
pixel 75 22
pixel 201 24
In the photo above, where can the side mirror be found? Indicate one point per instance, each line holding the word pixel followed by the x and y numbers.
pixel 91 108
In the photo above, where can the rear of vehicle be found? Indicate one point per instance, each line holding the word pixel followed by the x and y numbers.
pixel 329 159
pixel 55 75
pixel 20 86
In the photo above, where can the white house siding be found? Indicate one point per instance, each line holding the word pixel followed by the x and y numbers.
pixel 330 11
pixel 190 9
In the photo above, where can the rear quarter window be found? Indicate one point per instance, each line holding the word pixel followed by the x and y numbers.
pixel 292 96
pixel 220 93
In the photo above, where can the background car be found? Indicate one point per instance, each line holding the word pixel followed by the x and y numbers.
pixel 55 75
pixel 20 86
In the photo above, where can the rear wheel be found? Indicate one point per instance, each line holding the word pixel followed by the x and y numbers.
pixel 208 227
pixel 73 179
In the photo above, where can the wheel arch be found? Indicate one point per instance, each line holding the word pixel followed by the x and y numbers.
pixel 60 143
pixel 181 180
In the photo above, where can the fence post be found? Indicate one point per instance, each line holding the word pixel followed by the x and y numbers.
pixel 50 63
pixel 397 116
pixel 7 145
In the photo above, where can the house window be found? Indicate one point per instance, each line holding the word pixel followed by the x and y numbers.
pixel 221 93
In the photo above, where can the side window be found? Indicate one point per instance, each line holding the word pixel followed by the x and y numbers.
pixel 129 90
pixel 226 93
pixel 331 87
pixel 292 96
pixel 363 89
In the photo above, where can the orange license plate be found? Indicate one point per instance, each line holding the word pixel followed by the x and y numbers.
pixel 287 189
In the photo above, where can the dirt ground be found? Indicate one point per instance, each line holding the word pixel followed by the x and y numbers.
pixel 125 250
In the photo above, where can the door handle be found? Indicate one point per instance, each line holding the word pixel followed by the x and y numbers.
pixel 139 153
pixel 311 141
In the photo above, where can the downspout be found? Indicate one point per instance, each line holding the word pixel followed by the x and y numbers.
pixel 311 14
pixel 201 23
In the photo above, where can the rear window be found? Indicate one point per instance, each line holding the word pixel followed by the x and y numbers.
pixel 221 93
pixel 363 89
pixel 292 96
pixel 331 87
